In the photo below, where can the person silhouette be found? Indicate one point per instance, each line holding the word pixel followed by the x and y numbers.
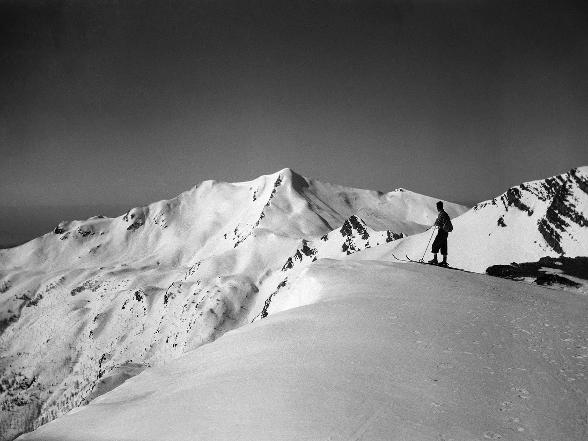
pixel 443 224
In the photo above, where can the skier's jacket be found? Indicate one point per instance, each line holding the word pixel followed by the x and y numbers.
pixel 444 222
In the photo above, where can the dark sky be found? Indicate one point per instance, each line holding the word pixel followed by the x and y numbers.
pixel 111 104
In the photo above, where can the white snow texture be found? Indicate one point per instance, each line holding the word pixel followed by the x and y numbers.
pixel 344 344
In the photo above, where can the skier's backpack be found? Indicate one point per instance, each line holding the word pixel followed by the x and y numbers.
pixel 447 225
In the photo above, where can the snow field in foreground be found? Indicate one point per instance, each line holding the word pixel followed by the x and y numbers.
pixel 377 351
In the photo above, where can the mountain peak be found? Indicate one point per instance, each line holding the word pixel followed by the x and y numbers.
pixel 287 171
pixel 541 189
pixel 298 182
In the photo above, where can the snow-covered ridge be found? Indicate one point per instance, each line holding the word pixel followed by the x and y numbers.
pixel 368 350
pixel 353 236
pixel 560 199
pixel 171 229
pixel 535 219
pixel 87 300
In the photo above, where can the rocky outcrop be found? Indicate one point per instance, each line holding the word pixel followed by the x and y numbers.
pixel 558 205
pixel 353 236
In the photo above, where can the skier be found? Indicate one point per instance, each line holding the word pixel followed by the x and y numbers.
pixel 444 227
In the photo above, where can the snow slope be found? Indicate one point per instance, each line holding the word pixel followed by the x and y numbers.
pixel 95 301
pixel 535 219
pixel 353 236
pixel 368 350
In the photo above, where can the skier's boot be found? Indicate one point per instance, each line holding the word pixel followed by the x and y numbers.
pixel 433 262
pixel 444 263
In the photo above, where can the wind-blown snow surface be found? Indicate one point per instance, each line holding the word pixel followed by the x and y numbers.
pixel 535 219
pixel 93 302
pixel 368 350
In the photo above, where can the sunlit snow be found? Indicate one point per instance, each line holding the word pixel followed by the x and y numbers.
pixel 368 350
pixel 221 314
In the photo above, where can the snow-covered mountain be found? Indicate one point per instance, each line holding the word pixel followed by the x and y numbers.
pixel 353 236
pixel 93 302
pixel 541 218
pixel 369 350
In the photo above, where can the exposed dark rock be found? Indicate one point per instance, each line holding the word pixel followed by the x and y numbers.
pixel 558 193
pixel 582 183
pixel 354 223
pixel 135 225
pixel 562 211
pixel 391 236
pixel 574 267
pixel 77 290
pixel 268 301
pixel 551 236
pixel 275 189
pixel 288 265
pixel 512 197
pixel 5 286
pixel 36 299
pixel 298 255
pixel 347 247
pixel 102 360
pixel 306 250
pixel 91 285
pixel 84 232
pixel 552 279
pixel 6 322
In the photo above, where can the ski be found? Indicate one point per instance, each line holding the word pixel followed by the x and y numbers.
pixel 400 260
pixel 422 262
pixel 415 261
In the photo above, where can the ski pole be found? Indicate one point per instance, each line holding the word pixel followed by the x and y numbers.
pixel 423 258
